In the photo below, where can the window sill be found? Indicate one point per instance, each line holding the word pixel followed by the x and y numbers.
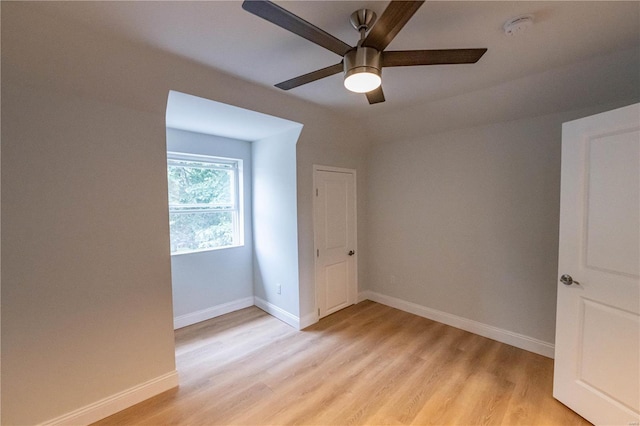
pixel 206 250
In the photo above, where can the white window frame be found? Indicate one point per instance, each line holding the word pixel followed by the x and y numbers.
pixel 237 204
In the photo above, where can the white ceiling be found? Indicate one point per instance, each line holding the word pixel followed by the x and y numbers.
pixel 192 113
pixel 220 34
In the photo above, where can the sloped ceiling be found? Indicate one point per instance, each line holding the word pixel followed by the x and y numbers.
pixel 221 35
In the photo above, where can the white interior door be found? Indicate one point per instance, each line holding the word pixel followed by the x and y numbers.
pixel 335 239
pixel 597 352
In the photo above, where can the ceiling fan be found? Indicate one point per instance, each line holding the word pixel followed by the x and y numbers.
pixel 362 65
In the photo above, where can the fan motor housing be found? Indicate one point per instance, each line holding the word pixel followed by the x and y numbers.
pixel 362 59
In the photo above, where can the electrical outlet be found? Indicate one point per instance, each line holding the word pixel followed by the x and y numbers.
pixel 279 288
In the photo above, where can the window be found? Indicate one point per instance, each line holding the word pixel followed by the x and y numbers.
pixel 204 202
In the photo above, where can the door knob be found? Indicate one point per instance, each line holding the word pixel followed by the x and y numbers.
pixel 568 280
pixel 351 253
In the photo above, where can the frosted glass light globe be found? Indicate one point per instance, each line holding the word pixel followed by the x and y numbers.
pixel 362 82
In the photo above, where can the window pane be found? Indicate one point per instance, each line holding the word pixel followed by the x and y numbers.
pixel 200 185
pixel 198 231
pixel 204 212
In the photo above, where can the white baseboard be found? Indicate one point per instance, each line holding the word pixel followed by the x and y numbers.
pixel 277 312
pixel 501 335
pixel 118 402
pixel 364 295
pixel 212 312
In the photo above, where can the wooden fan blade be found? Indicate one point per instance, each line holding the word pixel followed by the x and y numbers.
pixel 394 17
pixel 403 58
pixel 290 22
pixel 312 76
pixel 375 96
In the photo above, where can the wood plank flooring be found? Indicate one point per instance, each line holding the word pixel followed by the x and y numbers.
pixel 368 364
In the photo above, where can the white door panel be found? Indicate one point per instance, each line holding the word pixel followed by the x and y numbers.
pixel 608 356
pixel 336 286
pixel 335 239
pixel 613 199
pixel 335 212
pixel 597 358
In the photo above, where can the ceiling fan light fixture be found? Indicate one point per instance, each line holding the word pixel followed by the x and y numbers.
pixel 362 64
pixel 362 81
pixel 362 70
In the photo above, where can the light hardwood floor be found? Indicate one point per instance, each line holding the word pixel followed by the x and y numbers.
pixel 367 364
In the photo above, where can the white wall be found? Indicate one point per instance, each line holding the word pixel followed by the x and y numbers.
pixel 204 280
pixel 345 147
pixel 86 293
pixel 466 222
pixel 275 230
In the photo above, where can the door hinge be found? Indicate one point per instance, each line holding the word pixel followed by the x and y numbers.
pixel 318 311
pixel 316 192
pixel 317 252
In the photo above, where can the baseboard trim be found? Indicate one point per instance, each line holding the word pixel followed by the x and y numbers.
pixel 277 312
pixel 105 407
pixel 212 312
pixel 364 295
pixel 501 335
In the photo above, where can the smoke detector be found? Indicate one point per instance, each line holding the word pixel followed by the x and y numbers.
pixel 518 25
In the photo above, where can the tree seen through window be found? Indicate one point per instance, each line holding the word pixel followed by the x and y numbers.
pixel 203 205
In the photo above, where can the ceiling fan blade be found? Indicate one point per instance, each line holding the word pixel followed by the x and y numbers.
pixel 375 96
pixel 290 22
pixel 403 58
pixel 394 17
pixel 312 76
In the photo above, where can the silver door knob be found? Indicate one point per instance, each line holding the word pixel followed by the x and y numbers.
pixel 568 280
